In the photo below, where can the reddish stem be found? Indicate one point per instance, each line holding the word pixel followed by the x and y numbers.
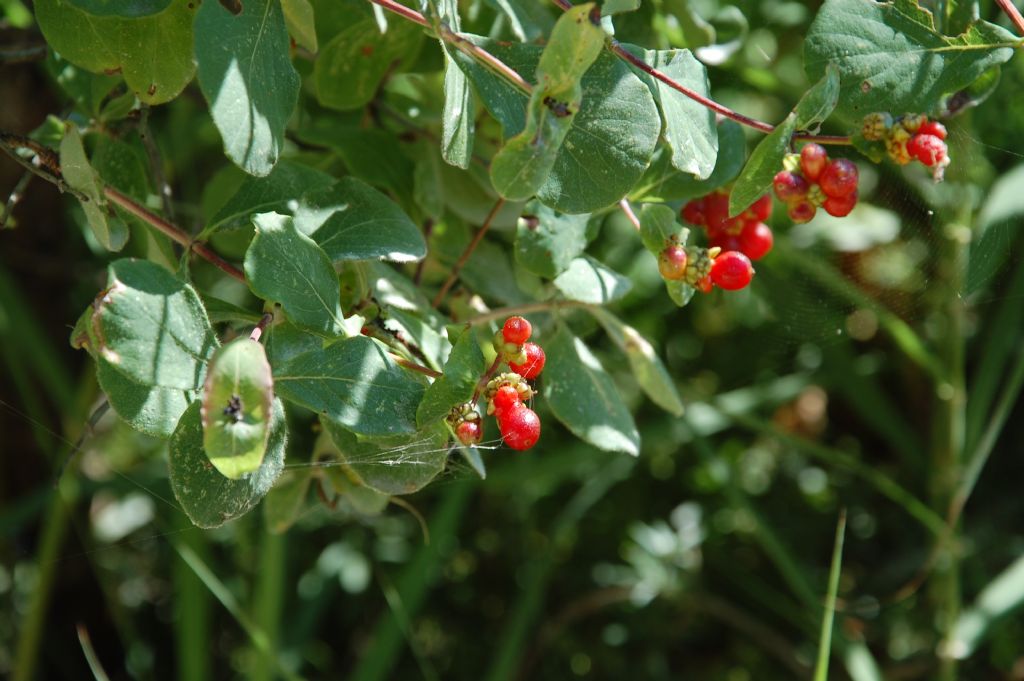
pixel 468 252
pixel 628 210
pixel 1011 11
pixel 258 331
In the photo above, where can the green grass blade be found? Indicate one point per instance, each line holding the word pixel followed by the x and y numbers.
pixel 825 642
pixel 257 636
pixel 90 655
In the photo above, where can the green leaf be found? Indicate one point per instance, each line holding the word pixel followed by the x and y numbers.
pixel 151 327
pixel 393 465
pixel 372 155
pixel 680 292
pixel 458 120
pixel 819 102
pixel 222 311
pixel 237 398
pixel 619 6
pixel 644 362
pixel 152 410
pixel 612 138
pixel 997 228
pixel 1000 597
pixel 288 267
pixel 108 229
pixel 664 182
pixel 690 129
pixel 285 501
pixel 528 19
pixel 473 458
pixel 350 67
pixel 523 164
pixel 247 77
pixel 354 383
pixel 462 371
pixel 277 192
pixel 284 341
pixel 547 241
pixel 347 485
pixel 421 332
pixel 658 225
pixel 207 497
pixel 360 223
pixel 825 639
pixel 299 18
pixel 590 281
pixel 120 8
pixel 584 398
pixel 765 162
pixel 108 44
pixel 891 57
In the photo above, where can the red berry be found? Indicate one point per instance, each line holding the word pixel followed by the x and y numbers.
pixel 672 263
pixel 928 149
pixel 716 211
pixel 802 211
pixel 839 178
pixel 813 159
pixel 789 186
pixel 693 212
pixel 933 128
pixel 533 365
pixel 840 206
pixel 755 240
pixel 520 427
pixel 516 330
pixel 506 397
pixel 762 208
pixel 732 271
pixel 469 433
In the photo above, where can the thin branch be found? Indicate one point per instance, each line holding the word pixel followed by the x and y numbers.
pixel 156 166
pixel 461 44
pixel 46 164
pixel 14 197
pixel 258 330
pixel 22 53
pixel 628 210
pixel 1011 11
pixel 419 368
pixel 439 298
pixel 173 231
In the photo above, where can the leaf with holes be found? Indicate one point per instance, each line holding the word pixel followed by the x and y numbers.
pixel 583 396
pixel 355 383
pixel 286 266
pixel 247 77
pixel 151 327
pixel 207 497
pixel 892 58
pixel 108 44
pixel 465 366
pixel 237 398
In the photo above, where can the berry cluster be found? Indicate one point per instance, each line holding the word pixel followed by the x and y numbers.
pixel 745 233
pixel 910 137
pixel 705 268
pixel 810 180
pixel 506 394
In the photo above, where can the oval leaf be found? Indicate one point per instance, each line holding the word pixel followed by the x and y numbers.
pixel 584 398
pixel 120 8
pixel 108 229
pixel 547 241
pixel 286 266
pixel 357 222
pixel 355 383
pixel 148 409
pixel 207 497
pixel 591 281
pixel 247 77
pixel 891 57
pixel 151 327
pixel 465 366
pixel 237 398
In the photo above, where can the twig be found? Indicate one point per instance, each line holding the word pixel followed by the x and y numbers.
pixel 46 165
pixel 88 431
pixel 156 166
pixel 15 196
pixel 628 210
pixel 439 298
pixel 1011 11
pixel 258 331
pixel 173 231
pixel 419 368
pixel 486 378
pixel 22 54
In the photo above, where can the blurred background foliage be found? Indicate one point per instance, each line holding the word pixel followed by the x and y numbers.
pixel 705 558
